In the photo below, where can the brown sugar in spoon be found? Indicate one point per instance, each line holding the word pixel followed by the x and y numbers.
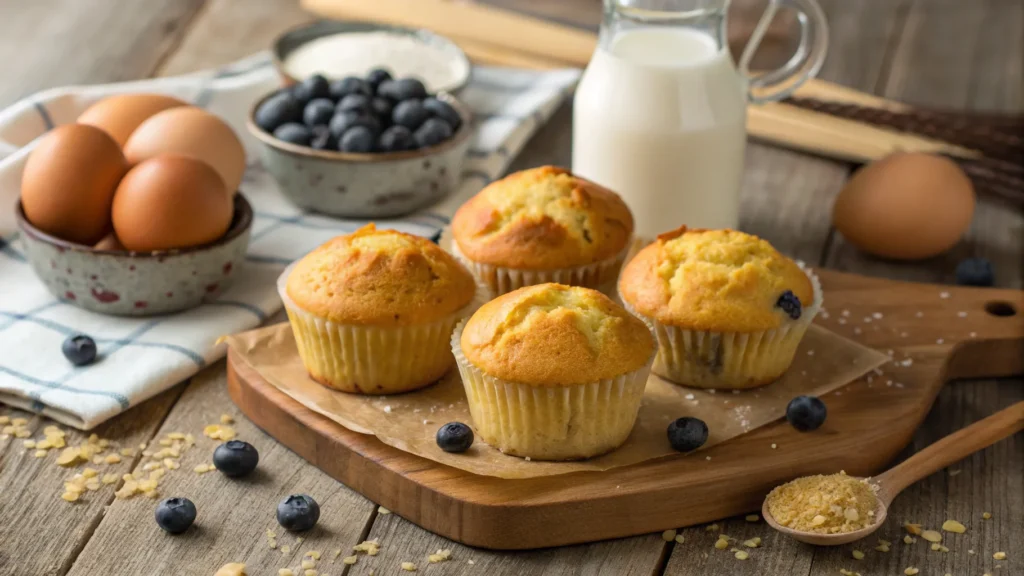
pixel 950 449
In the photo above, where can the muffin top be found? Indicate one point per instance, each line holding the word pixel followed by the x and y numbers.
pixel 718 280
pixel 542 219
pixel 555 335
pixel 380 277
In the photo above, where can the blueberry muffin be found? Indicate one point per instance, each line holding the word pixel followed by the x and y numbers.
pixel 727 309
pixel 553 372
pixel 542 225
pixel 373 311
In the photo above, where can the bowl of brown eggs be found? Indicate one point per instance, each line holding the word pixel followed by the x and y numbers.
pixel 133 210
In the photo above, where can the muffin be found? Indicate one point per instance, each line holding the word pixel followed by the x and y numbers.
pixel 542 225
pixel 727 309
pixel 373 311
pixel 553 372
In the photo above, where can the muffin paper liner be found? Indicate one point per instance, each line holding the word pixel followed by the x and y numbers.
pixel 498 280
pixel 369 359
pixel 551 423
pixel 729 360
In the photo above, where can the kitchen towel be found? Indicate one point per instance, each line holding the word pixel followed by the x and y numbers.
pixel 142 357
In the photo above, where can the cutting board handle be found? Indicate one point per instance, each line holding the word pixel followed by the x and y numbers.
pixel 996 349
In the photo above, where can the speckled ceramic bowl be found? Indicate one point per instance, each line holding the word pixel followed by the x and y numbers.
pixel 126 283
pixel 380 185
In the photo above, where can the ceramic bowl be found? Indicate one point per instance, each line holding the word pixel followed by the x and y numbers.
pixel 288 42
pixel 125 283
pixel 352 185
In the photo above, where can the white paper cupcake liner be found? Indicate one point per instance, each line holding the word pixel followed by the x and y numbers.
pixel 551 423
pixel 369 359
pixel 729 360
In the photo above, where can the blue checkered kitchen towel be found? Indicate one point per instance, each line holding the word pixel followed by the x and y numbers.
pixel 142 357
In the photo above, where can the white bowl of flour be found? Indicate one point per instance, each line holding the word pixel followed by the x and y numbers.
pixel 340 49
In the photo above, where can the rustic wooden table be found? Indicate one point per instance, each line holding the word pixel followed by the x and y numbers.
pixel 949 53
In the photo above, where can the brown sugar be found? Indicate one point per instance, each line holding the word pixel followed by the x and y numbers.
pixel 824 504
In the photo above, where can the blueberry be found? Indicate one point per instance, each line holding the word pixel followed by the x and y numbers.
pixel 277 110
pixel 311 88
pixel 382 107
pixel 297 513
pixel 349 85
pixel 322 139
pixel 806 413
pixel 687 434
pixel 175 515
pixel 318 111
pixel 434 131
pixel 397 139
pixel 402 89
pixel 294 133
pixel 376 77
pixel 444 111
pixel 410 113
pixel 356 102
pixel 235 458
pixel 345 121
pixel 79 349
pixel 790 304
pixel 358 139
pixel 454 437
pixel 975 272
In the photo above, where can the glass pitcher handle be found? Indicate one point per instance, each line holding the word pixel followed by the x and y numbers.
pixel 806 61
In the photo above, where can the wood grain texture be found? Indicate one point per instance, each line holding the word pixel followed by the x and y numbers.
pixel 47 43
pixel 697 555
pixel 656 495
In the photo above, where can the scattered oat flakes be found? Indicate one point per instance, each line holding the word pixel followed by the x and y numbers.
pixel 40 453
pixel 999 555
pixel 909 540
pixel 408 566
pixel 109 479
pixel 986 515
pixel 742 555
pixel 722 544
pixel 440 556
pixel 752 518
pixel 711 528
pixel 226 419
pixel 882 547
pixel 858 555
pixel 954 526
pixel 310 572
pixel 680 539
pixel 112 459
pixel 914 529
pixel 350 560
pixel 370 547
pixel 286 549
pixel 911 571
pixel 233 569
pixel 931 536
pixel 285 572
pixel 218 432
pixel 70 496
pixel 668 535
pixel 383 511
pixel 753 542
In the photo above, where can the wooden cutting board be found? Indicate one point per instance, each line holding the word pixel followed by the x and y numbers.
pixel 948 331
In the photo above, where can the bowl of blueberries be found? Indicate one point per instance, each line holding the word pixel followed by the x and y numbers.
pixel 370 147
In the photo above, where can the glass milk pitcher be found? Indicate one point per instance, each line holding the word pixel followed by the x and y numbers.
pixel 660 112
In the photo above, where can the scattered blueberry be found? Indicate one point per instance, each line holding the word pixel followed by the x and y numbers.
pixel 322 139
pixel 410 113
pixel 297 513
pixel 454 437
pixel 313 87
pixel 79 349
pixel 358 139
pixel 235 458
pixel 806 413
pixel 402 89
pixel 397 139
pixel 376 77
pixel 294 133
pixel 318 111
pixel 357 102
pixel 278 110
pixel 382 107
pixel 790 304
pixel 975 272
pixel 444 111
pixel 432 132
pixel 345 121
pixel 349 85
pixel 686 434
pixel 175 515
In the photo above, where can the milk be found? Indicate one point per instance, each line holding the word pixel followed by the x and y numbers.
pixel 659 117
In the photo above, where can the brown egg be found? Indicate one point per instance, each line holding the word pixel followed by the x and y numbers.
pixel 69 180
pixel 171 201
pixel 905 206
pixel 120 115
pixel 189 131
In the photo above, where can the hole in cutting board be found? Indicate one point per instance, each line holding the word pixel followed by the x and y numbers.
pixel 1000 308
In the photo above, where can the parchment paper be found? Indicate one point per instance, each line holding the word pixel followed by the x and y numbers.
pixel 824 362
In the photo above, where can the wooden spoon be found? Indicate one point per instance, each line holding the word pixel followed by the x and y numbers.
pixel 950 449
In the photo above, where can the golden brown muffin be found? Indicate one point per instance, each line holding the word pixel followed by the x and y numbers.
pixel 539 220
pixel 553 372
pixel 728 310
pixel 373 312
pixel 380 277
